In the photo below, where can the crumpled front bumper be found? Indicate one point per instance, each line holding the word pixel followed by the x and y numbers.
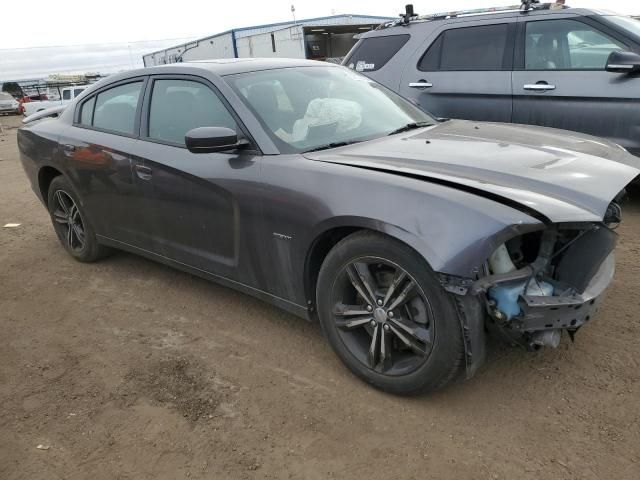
pixel 571 312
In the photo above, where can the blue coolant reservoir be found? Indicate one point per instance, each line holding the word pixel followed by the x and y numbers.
pixel 506 295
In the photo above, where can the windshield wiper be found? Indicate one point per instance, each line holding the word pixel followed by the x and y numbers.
pixel 410 126
pixel 331 145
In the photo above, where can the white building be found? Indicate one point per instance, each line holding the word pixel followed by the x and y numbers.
pixel 316 38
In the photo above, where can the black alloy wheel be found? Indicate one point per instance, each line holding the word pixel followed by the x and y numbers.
pixel 385 314
pixel 68 221
pixel 71 224
pixel 382 315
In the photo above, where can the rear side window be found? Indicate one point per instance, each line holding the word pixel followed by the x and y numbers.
pixel 373 53
pixel 86 114
pixel 472 49
pixel 115 109
pixel 178 106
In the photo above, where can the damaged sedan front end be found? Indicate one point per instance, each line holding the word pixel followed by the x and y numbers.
pixel 544 282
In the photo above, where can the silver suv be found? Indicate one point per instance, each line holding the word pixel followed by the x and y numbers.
pixel 549 65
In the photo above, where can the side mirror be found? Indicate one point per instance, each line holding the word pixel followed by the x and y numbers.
pixel 623 62
pixel 212 139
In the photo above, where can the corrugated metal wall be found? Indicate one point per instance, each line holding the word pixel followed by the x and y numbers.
pixel 255 41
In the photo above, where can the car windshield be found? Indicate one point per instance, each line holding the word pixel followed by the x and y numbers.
pixel 307 108
pixel 629 24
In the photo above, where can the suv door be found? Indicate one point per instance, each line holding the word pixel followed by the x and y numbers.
pixel 192 208
pixel 560 80
pixel 464 71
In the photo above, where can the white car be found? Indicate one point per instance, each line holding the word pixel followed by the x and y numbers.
pixel 8 104
pixel 67 94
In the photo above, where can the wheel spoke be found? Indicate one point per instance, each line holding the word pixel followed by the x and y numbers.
pixel 79 234
pixel 419 333
pixel 350 310
pixel 70 235
pixel 403 296
pixel 60 217
pixel 385 350
pixel 354 278
pixel 353 322
pixel 367 280
pixel 397 280
pixel 416 348
pixel 61 202
pixel 373 349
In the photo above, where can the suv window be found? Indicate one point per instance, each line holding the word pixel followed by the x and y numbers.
pixel 66 94
pixel 469 48
pixel 566 45
pixel 373 53
pixel 178 106
pixel 115 109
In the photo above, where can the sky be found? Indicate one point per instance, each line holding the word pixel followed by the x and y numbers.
pixel 69 36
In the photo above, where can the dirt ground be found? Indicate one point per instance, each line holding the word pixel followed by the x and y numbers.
pixel 126 369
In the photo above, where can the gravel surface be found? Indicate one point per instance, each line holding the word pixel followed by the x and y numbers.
pixel 126 369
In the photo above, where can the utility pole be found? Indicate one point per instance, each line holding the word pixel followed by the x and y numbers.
pixel 295 24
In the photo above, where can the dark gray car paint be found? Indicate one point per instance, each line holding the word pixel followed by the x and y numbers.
pixel 593 102
pixel 250 219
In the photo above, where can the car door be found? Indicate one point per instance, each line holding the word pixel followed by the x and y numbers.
pixel 560 80
pixel 96 151
pixel 196 209
pixel 463 71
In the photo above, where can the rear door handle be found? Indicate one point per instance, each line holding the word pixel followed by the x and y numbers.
pixel 68 148
pixel 421 84
pixel 143 172
pixel 539 87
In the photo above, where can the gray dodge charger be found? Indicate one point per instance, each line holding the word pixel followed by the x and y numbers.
pixel 320 191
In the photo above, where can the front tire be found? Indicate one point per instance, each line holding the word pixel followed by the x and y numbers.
pixel 387 317
pixel 71 224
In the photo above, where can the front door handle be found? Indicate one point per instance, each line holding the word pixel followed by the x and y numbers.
pixel 143 172
pixel 421 84
pixel 539 87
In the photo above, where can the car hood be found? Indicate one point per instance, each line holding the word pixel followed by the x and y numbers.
pixel 564 176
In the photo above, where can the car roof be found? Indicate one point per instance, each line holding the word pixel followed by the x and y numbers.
pixel 221 67
pixel 394 29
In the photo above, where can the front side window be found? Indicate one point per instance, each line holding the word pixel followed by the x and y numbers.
pixel 115 109
pixel 470 48
pixel 567 45
pixel 178 106
pixel 372 54
pixel 66 94
pixel 309 107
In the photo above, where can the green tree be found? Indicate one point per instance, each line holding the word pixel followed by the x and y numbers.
pixel 12 88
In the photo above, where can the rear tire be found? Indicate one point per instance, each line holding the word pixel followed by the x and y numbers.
pixel 71 223
pixel 417 338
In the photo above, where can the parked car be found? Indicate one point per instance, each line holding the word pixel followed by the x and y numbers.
pixel 8 104
pixel 67 94
pixel 570 68
pixel 320 191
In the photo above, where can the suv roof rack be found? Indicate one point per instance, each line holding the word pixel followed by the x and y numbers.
pixel 524 7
